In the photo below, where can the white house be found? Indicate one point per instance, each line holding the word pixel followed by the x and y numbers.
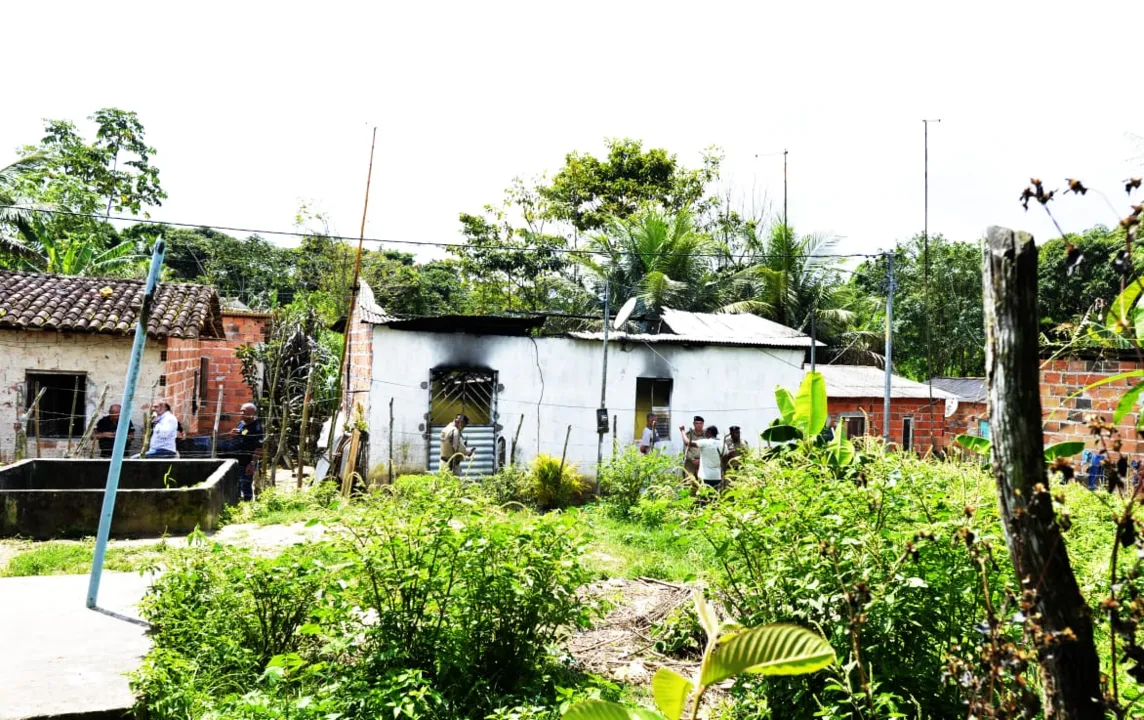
pixel 523 390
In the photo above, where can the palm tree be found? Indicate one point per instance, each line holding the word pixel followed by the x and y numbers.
pixel 661 259
pixel 17 246
pixel 784 277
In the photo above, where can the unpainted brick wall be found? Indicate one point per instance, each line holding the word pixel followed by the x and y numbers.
pixel 900 408
pixel 958 423
pixel 360 368
pixel 225 370
pixel 1065 416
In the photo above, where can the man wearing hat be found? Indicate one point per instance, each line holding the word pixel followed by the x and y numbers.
pixel 734 448
pixel 691 448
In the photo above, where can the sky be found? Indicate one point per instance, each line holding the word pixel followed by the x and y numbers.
pixel 257 108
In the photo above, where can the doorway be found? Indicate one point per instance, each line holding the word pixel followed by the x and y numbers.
pixel 471 392
pixel 653 395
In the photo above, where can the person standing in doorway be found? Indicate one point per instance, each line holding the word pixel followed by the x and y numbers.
pixel 164 432
pixel 244 443
pixel 690 449
pixel 710 455
pixel 453 448
pixel 734 448
pixel 648 439
pixel 105 429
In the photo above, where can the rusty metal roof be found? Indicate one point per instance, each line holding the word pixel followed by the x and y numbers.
pixel 866 381
pixel 67 303
pixel 713 329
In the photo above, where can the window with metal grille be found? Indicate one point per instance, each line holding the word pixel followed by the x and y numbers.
pixel 62 392
pixel 654 395
pixel 461 391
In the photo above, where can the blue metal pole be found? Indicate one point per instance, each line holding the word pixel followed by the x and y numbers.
pixel 120 446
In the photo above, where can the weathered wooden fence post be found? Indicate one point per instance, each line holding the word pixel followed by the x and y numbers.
pixel 1069 669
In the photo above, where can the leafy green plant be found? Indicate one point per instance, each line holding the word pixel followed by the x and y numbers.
pixel 554 484
pixel 802 416
pixel 626 477
pixel 1056 451
pixel 776 649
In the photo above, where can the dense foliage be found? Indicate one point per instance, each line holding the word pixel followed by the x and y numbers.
pixel 429 603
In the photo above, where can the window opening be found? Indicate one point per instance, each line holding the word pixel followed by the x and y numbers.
pixel 60 389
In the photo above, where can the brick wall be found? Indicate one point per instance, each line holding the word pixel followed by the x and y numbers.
pixel 102 359
pixel 225 369
pixel 958 423
pixel 1064 418
pixel 900 408
pixel 180 375
pixel 360 368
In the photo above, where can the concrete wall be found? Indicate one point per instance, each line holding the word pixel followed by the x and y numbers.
pixel 32 503
pixel 103 358
pixel 900 408
pixel 556 381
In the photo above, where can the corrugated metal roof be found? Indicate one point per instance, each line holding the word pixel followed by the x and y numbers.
pixel 865 381
pixel 713 329
pixel 970 390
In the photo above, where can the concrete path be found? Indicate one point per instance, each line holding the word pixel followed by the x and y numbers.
pixel 57 658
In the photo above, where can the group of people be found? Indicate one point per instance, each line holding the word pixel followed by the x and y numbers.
pixel 242 443
pixel 705 457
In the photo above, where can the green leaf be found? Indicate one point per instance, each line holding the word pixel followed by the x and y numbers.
pixel 810 405
pixel 1127 403
pixel 670 691
pixel 781 433
pixel 1063 449
pixel 973 443
pixel 601 710
pixel 777 649
pixel 786 405
pixel 840 451
pixel 1121 309
pixel 707 617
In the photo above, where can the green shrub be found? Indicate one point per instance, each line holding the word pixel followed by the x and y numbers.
pixel 281 505
pixel 888 558
pixel 550 486
pixel 508 485
pixel 626 477
pixel 427 594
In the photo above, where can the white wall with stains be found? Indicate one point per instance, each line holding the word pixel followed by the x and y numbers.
pixel 555 382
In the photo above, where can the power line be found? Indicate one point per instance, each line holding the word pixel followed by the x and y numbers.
pixel 413 243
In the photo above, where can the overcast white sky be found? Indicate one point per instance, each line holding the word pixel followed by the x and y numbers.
pixel 256 107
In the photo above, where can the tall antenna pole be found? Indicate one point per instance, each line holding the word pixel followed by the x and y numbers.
pixel 603 383
pixel 348 400
pixel 786 222
pixel 926 270
pixel 889 344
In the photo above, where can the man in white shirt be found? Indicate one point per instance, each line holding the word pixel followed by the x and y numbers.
pixel 710 455
pixel 647 440
pixel 164 432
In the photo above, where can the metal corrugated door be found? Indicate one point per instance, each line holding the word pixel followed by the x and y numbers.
pixel 480 437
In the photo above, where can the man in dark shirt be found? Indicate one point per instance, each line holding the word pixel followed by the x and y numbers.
pixel 245 440
pixel 105 431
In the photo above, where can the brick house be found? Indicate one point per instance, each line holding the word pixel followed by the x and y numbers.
pixel 72 336
pixel 856 399
pixel 1064 377
pixel 969 405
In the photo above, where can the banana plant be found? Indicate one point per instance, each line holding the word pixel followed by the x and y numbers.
pixel 802 416
pixel 776 649
pixel 981 446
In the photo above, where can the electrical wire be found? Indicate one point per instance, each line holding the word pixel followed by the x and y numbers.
pixel 414 243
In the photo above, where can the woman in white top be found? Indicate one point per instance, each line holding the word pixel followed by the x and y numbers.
pixel 710 455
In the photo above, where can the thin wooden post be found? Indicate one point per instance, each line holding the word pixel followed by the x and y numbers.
pixel 71 418
pixel 88 431
pixel 304 430
pixel 390 441
pixel 564 453
pixel 615 437
pixel 21 449
pixel 36 413
pixel 1069 669
pixel 512 454
pixel 351 463
pixel 214 430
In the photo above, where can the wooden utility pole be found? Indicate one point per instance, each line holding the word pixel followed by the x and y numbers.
pixel 1069 669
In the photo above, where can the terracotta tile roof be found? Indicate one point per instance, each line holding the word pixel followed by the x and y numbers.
pixel 68 303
